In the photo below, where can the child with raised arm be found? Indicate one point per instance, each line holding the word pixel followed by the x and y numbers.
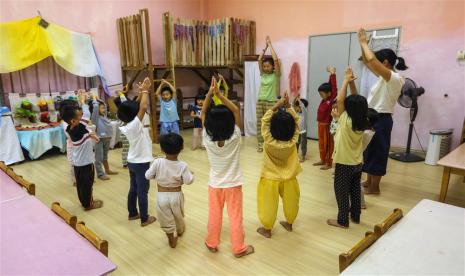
pixel 300 107
pixel 169 117
pixel 328 92
pixel 196 111
pixel 270 72
pixel 348 149
pixel 222 140
pixel 104 130
pixel 139 154
pixel 280 128
pixel 170 174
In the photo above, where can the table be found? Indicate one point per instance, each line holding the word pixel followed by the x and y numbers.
pixel 454 162
pixel 10 149
pixel 429 240
pixel 9 189
pixel 35 241
pixel 37 142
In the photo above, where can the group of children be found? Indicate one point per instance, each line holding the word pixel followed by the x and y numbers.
pixel 282 131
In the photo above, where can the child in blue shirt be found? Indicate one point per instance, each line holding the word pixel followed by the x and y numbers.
pixel 169 118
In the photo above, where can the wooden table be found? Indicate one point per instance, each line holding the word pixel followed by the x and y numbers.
pixel 454 162
pixel 429 240
pixel 35 241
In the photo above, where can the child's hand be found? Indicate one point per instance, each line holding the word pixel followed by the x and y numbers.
pixel 212 87
pixel 95 137
pixel 334 112
pixel 362 36
pixel 144 86
pixel 268 40
pixel 284 101
pixel 331 69
pixel 349 75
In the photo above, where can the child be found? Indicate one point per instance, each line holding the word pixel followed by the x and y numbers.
pixel 120 98
pixel 328 92
pixel 84 113
pixel 280 128
pixel 300 107
pixel 139 154
pixel 104 131
pixel 222 139
pixel 270 72
pixel 82 156
pixel 169 117
pixel 170 174
pixel 353 121
pixel 196 115
pixel 224 89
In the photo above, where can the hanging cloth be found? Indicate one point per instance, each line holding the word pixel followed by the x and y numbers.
pixel 24 43
pixel 294 79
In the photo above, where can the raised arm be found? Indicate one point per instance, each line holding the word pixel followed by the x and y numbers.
pixel 260 58
pixel 230 105
pixel 172 89
pixel 277 64
pixel 144 98
pixel 370 60
pixel 225 85
pixel 341 97
pixel 95 110
pixel 333 81
pixel 208 99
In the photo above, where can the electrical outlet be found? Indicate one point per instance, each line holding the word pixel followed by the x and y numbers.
pixel 461 55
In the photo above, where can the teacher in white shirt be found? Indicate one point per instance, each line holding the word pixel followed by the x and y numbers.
pixel 382 97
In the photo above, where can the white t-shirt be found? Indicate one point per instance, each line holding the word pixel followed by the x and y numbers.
pixel 384 94
pixel 169 173
pixel 140 143
pixel 225 171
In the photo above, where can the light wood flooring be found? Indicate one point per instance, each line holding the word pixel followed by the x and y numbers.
pixel 312 248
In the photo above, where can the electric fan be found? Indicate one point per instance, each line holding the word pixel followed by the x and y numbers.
pixel 408 99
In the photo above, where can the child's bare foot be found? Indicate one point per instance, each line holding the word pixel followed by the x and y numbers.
pixel 259 149
pixel 248 251
pixel 318 163
pixel 150 220
pixel 365 184
pixel 95 205
pixel 172 240
pixel 264 232
pixel 104 177
pixel 333 222
pixel 180 234
pixel 286 225
pixel 112 172
pixel 369 191
pixel 363 206
pixel 211 249
pixel 325 167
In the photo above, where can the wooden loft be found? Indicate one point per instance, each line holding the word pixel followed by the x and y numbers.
pixel 203 47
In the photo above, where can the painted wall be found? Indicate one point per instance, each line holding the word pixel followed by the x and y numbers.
pixel 432 33
pixel 99 18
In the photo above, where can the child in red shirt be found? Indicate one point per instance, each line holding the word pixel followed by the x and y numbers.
pixel 328 92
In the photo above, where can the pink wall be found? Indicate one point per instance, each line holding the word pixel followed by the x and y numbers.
pixel 99 18
pixel 432 33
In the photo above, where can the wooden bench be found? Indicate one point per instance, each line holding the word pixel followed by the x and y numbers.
pixel 101 245
pixel 71 220
pixel 345 259
pixel 30 187
pixel 383 227
pixel 454 163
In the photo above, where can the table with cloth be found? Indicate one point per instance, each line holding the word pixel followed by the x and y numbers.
pixel 37 142
pixel 10 149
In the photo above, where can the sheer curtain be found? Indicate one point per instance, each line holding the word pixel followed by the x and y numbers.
pixel 251 89
pixel 43 77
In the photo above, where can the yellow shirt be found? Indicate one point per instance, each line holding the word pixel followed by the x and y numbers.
pixel 216 100
pixel 280 160
pixel 348 144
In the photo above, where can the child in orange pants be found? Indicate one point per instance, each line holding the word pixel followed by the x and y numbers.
pixel 222 140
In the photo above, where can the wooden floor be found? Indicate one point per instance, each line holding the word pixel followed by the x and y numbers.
pixel 312 248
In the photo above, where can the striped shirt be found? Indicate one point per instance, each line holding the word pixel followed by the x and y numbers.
pixel 82 145
pixel 225 171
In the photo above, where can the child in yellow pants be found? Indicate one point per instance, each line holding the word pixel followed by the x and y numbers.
pixel 280 130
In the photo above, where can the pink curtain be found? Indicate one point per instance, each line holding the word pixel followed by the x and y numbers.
pixel 45 76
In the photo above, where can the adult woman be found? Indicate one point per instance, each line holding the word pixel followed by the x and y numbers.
pixel 382 98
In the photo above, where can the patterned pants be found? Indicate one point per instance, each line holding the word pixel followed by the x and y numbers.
pixel 348 192
pixel 262 108
pixel 124 154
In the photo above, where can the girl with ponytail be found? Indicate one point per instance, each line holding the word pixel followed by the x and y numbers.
pixel 382 98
